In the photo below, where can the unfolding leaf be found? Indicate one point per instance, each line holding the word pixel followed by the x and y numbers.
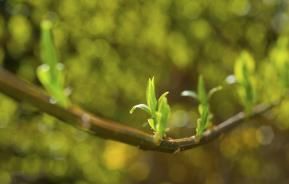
pixel 163 96
pixel 202 122
pixel 48 52
pixel 203 108
pixel 140 106
pixel 152 124
pixel 202 95
pixel 43 74
pixel 151 96
pixel 50 73
pixel 158 109
pixel 163 114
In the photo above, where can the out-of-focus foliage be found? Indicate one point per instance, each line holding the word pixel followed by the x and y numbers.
pixel 244 71
pixel 280 57
pixel 110 49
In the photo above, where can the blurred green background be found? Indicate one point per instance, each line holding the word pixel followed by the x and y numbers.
pixel 110 48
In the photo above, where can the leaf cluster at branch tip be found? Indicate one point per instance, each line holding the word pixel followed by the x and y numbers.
pixel 158 109
pixel 203 108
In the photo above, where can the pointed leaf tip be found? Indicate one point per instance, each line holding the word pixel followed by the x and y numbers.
pixel 151 96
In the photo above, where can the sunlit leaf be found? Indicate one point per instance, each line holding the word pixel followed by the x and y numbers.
pixel 158 109
pixel 200 108
pixel 50 74
pixel 48 53
pixel 60 74
pixel 202 95
pixel 203 107
pixel 152 124
pixel 163 96
pixel 163 114
pixel 202 122
pixel 140 106
pixel 151 96
pixel 43 74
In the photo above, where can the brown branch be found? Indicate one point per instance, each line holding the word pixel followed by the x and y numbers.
pixel 24 91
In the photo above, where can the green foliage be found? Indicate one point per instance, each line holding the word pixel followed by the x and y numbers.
pixel 50 73
pixel 280 58
pixel 159 110
pixel 151 97
pixel 108 47
pixel 204 108
pixel 244 72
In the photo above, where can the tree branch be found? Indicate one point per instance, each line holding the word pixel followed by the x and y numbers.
pixel 23 91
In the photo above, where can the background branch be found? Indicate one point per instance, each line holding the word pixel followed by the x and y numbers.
pixel 23 91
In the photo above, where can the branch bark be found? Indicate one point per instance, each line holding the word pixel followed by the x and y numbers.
pixel 21 90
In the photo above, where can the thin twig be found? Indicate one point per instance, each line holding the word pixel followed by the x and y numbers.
pixel 23 91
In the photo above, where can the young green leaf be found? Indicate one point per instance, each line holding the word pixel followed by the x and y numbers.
pixel 152 124
pixel 151 96
pixel 203 108
pixel 44 74
pixel 140 106
pixel 163 96
pixel 202 95
pixel 48 52
pixel 163 114
pixel 202 122
pixel 158 110
pixel 50 73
